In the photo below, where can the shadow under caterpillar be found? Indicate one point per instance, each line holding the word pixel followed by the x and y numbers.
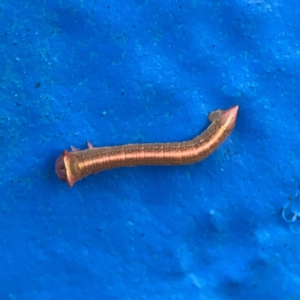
pixel 73 166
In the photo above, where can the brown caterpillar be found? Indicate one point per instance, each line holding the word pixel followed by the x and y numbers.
pixel 73 166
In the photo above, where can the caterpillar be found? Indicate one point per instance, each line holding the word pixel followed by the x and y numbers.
pixel 73 166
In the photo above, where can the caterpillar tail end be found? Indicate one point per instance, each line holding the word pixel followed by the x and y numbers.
pixel 61 168
pixel 228 117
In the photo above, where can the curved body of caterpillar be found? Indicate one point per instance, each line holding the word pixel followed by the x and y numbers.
pixel 73 166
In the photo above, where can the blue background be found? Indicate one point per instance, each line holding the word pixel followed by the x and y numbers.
pixel 116 72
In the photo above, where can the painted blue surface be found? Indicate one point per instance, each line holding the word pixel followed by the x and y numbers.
pixel 115 72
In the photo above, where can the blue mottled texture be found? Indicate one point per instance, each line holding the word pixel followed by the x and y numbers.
pixel 115 72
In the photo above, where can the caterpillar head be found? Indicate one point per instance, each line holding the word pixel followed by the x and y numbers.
pixel 60 167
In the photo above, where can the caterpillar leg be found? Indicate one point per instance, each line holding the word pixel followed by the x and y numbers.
pixel 74 149
pixel 90 145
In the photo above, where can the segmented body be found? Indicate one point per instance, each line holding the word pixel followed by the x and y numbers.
pixel 75 165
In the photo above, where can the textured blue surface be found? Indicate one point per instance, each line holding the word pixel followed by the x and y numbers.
pixel 115 72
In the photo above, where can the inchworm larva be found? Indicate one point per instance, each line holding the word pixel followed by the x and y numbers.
pixel 73 166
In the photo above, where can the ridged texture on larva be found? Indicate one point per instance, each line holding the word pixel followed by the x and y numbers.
pixel 98 159
pixel 75 165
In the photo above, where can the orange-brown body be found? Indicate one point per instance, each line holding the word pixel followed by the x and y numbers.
pixel 73 166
